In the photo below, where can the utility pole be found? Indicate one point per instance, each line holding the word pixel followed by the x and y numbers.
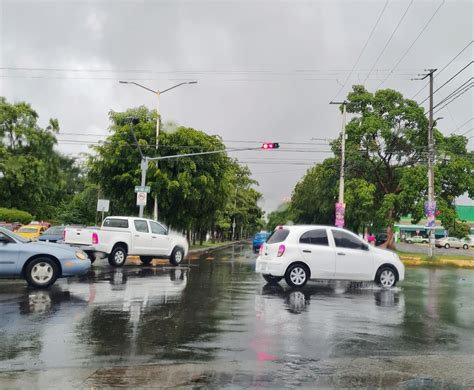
pixel 158 123
pixel 431 205
pixel 340 206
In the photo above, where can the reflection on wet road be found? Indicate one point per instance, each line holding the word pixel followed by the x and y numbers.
pixel 218 311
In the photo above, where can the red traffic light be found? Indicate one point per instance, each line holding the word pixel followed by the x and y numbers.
pixel 270 145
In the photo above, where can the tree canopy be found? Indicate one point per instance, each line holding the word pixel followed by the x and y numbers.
pixel 386 166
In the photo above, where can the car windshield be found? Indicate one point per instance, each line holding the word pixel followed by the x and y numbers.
pixel 14 236
pixel 28 230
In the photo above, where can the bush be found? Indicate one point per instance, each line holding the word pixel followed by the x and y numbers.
pixel 14 215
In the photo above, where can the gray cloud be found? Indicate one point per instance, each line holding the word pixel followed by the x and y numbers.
pixel 258 65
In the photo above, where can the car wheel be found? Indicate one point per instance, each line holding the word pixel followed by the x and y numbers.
pixel 447 246
pixel 409 241
pixel 465 246
pixel 386 277
pixel 41 272
pixel 92 258
pixel 177 256
pixel 297 275
pixel 272 279
pixel 146 260
pixel 118 256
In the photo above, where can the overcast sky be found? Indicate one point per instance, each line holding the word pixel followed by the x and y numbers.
pixel 266 70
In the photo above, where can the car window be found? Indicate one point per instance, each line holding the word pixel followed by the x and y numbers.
pixel 315 237
pixel 4 236
pixel 278 235
pixel 141 226
pixel 55 230
pixel 346 240
pixel 116 223
pixel 156 228
pixel 28 230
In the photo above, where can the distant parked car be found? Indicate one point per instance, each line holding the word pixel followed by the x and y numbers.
pixel 417 240
pixel 300 253
pixel 53 234
pixel 451 242
pixel 258 240
pixel 40 263
pixel 31 232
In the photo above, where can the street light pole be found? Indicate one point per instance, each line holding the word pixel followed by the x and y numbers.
pixel 158 120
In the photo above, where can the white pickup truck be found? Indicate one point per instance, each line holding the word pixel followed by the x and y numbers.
pixel 120 237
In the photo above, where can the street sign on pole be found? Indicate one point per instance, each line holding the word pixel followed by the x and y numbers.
pixel 142 189
pixel 103 205
pixel 141 198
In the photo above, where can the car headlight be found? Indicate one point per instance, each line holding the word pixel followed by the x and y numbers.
pixel 81 255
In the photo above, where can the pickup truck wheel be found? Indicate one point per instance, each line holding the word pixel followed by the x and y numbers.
pixel 41 272
pixel 465 246
pixel 118 256
pixel 146 260
pixel 177 256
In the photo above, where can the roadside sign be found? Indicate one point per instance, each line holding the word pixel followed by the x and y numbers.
pixel 141 198
pixel 142 189
pixel 103 205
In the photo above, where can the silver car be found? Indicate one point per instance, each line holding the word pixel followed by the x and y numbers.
pixel 451 242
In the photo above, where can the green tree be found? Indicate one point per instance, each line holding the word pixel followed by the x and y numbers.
pixel 193 192
pixel 386 166
pixel 36 177
pixel 282 216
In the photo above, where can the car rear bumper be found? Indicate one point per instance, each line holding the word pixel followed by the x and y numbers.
pixel 270 267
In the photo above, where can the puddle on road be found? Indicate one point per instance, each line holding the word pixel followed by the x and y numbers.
pixel 221 311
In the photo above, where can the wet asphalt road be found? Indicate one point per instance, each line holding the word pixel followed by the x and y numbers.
pixel 216 324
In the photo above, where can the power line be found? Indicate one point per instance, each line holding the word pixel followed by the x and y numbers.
pixel 439 72
pixel 449 80
pixel 455 92
pixel 460 126
pixel 413 43
pixel 389 40
pixel 455 98
pixel 468 131
pixel 362 51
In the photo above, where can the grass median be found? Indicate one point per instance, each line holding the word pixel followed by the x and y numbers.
pixel 418 259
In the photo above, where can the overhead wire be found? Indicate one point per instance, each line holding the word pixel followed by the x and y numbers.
pixel 461 126
pixel 363 49
pixel 413 43
pixel 444 67
pixel 449 80
pixel 389 40
pixel 454 98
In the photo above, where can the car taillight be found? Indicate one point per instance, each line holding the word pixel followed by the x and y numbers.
pixel 95 238
pixel 281 250
pixel 260 251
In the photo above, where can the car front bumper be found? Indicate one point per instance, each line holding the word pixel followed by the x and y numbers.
pixel 73 267
pixel 270 267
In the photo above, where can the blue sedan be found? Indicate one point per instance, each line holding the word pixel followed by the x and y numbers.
pixel 40 263
pixel 258 240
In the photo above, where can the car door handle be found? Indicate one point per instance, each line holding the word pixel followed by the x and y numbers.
pixel 341 253
pixel 306 251
pixel 153 236
pixel 137 235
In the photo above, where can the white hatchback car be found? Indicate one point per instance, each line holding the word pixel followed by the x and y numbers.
pixel 302 252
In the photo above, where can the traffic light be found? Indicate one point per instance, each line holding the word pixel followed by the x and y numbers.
pixel 270 145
